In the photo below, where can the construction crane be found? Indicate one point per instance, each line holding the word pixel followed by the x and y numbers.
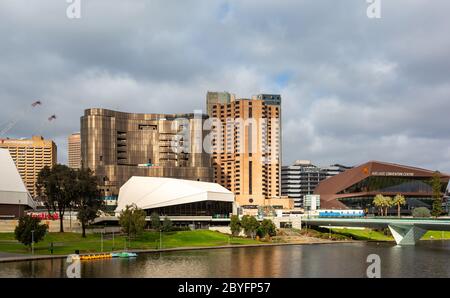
pixel 12 123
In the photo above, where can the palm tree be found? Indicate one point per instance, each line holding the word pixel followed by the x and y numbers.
pixel 388 202
pixel 378 201
pixel 399 200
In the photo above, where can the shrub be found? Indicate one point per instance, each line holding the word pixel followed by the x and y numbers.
pixel 261 232
pixel 269 227
pixel 235 225
pixel 249 224
pixel 421 212
pixel 132 220
pixel 27 224
pixel 167 225
pixel 155 221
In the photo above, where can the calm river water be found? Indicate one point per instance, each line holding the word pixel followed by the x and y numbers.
pixel 427 259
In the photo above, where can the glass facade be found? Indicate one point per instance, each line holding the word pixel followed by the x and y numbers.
pixel 118 145
pixel 216 209
pixel 384 184
pixel 366 203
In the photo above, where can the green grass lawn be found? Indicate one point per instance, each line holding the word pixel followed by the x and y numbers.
pixel 66 243
pixel 368 234
pixel 365 234
pixel 436 235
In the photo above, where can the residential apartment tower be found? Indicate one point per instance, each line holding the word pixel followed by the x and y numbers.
pixel 30 156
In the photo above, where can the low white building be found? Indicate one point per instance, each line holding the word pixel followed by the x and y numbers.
pixel 183 201
pixel 14 196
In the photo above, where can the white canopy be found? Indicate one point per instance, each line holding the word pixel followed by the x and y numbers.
pixel 12 189
pixel 155 192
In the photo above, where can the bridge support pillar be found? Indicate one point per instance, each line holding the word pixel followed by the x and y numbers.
pixel 406 234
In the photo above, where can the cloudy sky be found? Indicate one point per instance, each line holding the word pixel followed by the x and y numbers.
pixel 353 88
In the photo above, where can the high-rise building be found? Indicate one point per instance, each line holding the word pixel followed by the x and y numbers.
pixel 118 145
pixel 74 150
pixel 30 156
pixel 14 196
pixel 247 150
pixel 302 178
pixel 213 98
pixel 269 99
pixel 335 169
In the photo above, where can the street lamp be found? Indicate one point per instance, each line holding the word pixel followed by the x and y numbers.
pixel 101 233
pixel 32 242
pixel 70 217
pixel 113 240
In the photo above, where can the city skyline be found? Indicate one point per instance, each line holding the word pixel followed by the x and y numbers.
pixel 352 96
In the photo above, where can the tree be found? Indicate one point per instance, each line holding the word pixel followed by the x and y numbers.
pixel 155 220
pixel 132 220
pixel 167 225
pixel 27 224
pixel 387 203
pixel 235 225
pixel 421 212
pixel 57 189
pixel 399 201
pixel 269 227
pixel 261 232
pixel 89 200
pixel 437 195
pixel 379 201
pixel 249 224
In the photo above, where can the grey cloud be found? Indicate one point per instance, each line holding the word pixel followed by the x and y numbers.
pixel 357 89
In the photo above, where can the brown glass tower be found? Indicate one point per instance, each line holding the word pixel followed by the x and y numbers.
pixel 118 145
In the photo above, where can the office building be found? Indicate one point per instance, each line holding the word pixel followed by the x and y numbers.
pixel 335 169
pixel 74 150
pixel 117 145
pixel 246 150
pixel 301 179
pixel 185 202
pixel 30 156
pixel 357 187
pixel 14 196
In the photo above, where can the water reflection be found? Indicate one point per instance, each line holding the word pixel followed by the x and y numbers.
pixel 428 259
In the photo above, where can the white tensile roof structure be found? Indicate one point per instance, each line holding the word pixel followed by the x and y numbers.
pixel 155 192
pixel 12 189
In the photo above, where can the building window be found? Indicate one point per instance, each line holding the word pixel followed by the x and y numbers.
pixel 250 174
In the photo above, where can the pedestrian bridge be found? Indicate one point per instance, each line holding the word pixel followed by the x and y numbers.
pixel 405 231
